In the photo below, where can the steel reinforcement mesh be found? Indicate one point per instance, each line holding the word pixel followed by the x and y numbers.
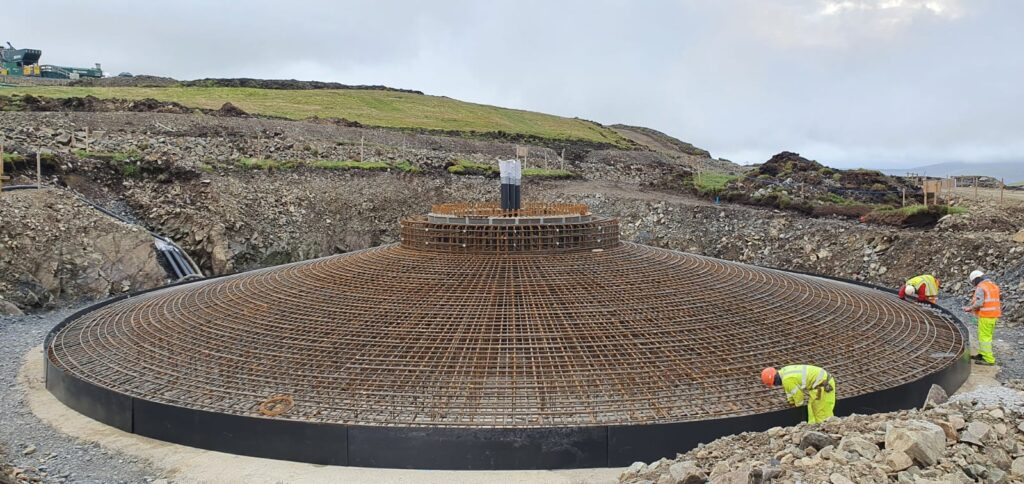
pixel 490 209
pixel 398 336
pixel 533 236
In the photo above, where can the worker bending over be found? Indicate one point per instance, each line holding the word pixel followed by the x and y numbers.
pixel 926 286
pixel 797 380
pixel 986 306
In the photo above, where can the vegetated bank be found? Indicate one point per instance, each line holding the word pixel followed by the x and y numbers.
pixel 391 109
pixel 789 181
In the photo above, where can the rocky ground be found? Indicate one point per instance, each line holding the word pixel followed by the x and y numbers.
pixel 35 451
pixel 975 437
pixel 56 250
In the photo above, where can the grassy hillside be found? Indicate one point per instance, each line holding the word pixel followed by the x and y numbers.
pixel 375 108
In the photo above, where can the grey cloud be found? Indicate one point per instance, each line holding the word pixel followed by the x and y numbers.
pixel 865 83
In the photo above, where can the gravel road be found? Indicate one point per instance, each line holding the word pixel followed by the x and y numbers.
pixel 35 447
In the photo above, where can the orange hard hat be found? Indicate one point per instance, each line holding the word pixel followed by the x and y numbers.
pixel 768 376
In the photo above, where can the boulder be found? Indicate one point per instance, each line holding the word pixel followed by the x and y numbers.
pixel 722 468
pixel 738 476
pixel 948 429
pixel 975 433
pixel 997 476
pixel 634 470
pixel 837 478
pixel 1018 237
pixel 9 309
pixel 687 472
pixel 1017 468
pixel 924 442
pixel 816 440
pixel 897 460
pixel 771 471
pixel 976 471
pixel 936 396
pixel 857 445
pixel 1000 458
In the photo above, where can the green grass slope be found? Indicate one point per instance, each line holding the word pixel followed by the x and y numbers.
pixel 373 108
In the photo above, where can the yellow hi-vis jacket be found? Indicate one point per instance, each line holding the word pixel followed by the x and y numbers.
pixel 931 286
pixel 800 379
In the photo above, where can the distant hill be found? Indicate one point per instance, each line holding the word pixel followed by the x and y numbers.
pixel 655 140
pixel 658 141
pixel 390 108
pixel 1012 171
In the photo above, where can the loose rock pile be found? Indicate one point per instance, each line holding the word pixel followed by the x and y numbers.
pixel 788 180
pixel 976 437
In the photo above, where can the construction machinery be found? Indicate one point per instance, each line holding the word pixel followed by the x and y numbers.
pixel 25 63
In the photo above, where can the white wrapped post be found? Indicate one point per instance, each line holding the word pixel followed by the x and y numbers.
pixel 511 180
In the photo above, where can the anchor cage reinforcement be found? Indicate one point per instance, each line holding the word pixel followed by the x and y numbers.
pixel 490 339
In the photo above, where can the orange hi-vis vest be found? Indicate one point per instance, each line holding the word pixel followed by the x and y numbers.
pixel 990 308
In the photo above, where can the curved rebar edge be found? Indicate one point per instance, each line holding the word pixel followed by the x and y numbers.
pixel 451 448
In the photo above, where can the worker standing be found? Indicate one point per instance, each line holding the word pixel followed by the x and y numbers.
pixel 796 380
pixel 986 307
pixel 926 286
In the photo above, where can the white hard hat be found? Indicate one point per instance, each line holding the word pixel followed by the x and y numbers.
pixel 975 275
pixel 909 290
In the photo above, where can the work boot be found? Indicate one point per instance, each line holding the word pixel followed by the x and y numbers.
pixel 982 362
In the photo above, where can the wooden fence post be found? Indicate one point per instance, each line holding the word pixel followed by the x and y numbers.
pixel 976 186
pixel 1002 189
pixel 904 197
pixel 2 177
pixel 39 170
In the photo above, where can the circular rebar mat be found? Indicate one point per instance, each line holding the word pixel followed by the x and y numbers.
pixel 397 336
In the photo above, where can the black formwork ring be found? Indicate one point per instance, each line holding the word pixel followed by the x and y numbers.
pixel 449 448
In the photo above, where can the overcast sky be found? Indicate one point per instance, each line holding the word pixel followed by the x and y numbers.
pixel 878 83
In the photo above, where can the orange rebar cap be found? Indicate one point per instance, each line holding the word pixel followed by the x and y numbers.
pixel 768 376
